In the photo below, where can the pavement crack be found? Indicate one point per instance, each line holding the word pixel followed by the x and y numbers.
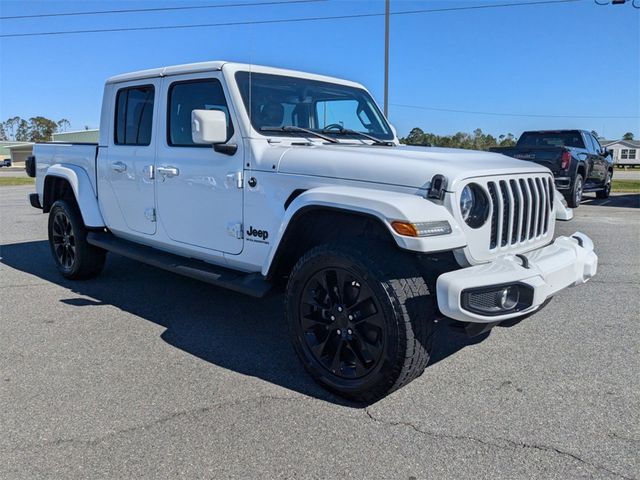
pixel 145 426
pixel 511 444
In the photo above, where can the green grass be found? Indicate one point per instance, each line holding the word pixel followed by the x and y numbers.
pixel 12 181
pixel 625 186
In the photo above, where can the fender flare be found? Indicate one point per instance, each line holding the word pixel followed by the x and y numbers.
pixel 82 189
pixel 386 206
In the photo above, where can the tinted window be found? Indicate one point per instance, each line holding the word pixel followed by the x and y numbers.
pixel 551 139
pixel 134 115
pixel 279 100
pixel 596 144
pixel 184 97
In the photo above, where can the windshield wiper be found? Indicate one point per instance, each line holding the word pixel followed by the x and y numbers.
pixel 291 128
pixel 347 131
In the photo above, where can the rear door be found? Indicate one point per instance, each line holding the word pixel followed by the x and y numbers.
pixel 199 190
pixel 593 160
pixel 601 162
pixel 125 169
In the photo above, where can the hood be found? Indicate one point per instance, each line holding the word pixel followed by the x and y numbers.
pixel 403 166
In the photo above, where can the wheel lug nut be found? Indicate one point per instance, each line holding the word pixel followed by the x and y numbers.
pixel 349 331
pixel 333 318
pixel 339 309
pixel 350 317
pixel 338 332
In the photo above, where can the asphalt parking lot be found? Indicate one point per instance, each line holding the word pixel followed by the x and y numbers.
pixel 142 373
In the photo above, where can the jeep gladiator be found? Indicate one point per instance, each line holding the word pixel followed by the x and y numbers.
pixel 252 177
pixel 575 157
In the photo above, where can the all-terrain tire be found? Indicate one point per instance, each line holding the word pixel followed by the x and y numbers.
pixel 74 257
pixel 401 332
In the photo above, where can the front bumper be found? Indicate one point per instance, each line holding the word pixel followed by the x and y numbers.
pixel 567 262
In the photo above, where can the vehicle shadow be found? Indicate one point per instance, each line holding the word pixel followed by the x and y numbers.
pixel 622 200
pixel 230 330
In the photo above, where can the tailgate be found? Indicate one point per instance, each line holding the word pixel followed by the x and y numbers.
pixel 550 157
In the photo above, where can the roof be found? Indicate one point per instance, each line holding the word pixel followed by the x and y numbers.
pixel 217 66
pixel 5 147
pixel 77 136
pixel 626 143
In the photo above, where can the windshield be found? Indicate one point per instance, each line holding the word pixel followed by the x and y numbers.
pixel 277 101
pixel 551 139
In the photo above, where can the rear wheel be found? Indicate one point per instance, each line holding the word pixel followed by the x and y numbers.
pixel 606 191
pixel 361 323
pixel 575 196
pixel 74 257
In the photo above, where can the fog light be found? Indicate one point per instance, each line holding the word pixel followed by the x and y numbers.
pixel 509 297
pixel 497 299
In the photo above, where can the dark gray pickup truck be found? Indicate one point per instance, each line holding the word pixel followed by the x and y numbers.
pixel 575 157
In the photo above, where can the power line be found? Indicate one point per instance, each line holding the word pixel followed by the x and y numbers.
pixel 287 20
pixel 498 114
pixel 157 9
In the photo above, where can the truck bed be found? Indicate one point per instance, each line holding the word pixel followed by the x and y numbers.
pixel 82 155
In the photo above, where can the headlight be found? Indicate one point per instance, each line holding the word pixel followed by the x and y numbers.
pixel 474 205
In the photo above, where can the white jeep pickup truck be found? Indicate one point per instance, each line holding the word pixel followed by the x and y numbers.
pixel 246 177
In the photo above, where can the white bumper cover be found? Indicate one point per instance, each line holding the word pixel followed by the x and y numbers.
pixel 567 262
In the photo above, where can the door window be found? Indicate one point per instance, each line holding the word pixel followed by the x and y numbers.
pixel 184 97
pixel 134 115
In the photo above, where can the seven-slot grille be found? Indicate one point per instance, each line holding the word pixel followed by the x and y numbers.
pixel 521 210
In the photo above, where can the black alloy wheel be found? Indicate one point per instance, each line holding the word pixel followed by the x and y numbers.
pixel 63 240
pixel 342 322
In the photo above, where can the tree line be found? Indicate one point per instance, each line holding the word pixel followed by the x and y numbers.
pixel 475 141
pixel 35 129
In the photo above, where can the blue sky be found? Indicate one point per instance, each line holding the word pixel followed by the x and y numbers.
pixel 545 60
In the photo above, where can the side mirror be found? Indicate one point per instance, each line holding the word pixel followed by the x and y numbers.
pixel 208 127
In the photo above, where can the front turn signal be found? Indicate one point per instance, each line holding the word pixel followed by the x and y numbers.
pixel 421 229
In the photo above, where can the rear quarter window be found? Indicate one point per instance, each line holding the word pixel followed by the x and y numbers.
pixel 134 115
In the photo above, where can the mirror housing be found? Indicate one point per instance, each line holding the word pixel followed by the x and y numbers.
pixel 208 127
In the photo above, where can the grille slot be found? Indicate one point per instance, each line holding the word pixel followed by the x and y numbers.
pixel 521 210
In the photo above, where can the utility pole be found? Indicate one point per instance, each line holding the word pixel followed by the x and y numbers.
pixel 386 58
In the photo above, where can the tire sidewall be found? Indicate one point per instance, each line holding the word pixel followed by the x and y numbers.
pixel 384 371
pixel 577 190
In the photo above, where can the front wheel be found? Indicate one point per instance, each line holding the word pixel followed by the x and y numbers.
pixel 74 257
pixel 361 323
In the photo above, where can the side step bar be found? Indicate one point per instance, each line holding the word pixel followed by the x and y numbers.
pixel 252 284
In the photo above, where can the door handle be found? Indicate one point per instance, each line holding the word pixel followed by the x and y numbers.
pixel 118 167
pixel 168 171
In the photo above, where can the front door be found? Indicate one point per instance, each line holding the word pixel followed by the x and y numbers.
pixel 125 178
pixel 199 190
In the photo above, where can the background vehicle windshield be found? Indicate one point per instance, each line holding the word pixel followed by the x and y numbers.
pixel 274 101
pixel 551 139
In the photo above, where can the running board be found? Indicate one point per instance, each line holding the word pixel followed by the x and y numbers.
pixel 252 284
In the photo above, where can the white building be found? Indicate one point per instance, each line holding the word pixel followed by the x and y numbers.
pixel 625 152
